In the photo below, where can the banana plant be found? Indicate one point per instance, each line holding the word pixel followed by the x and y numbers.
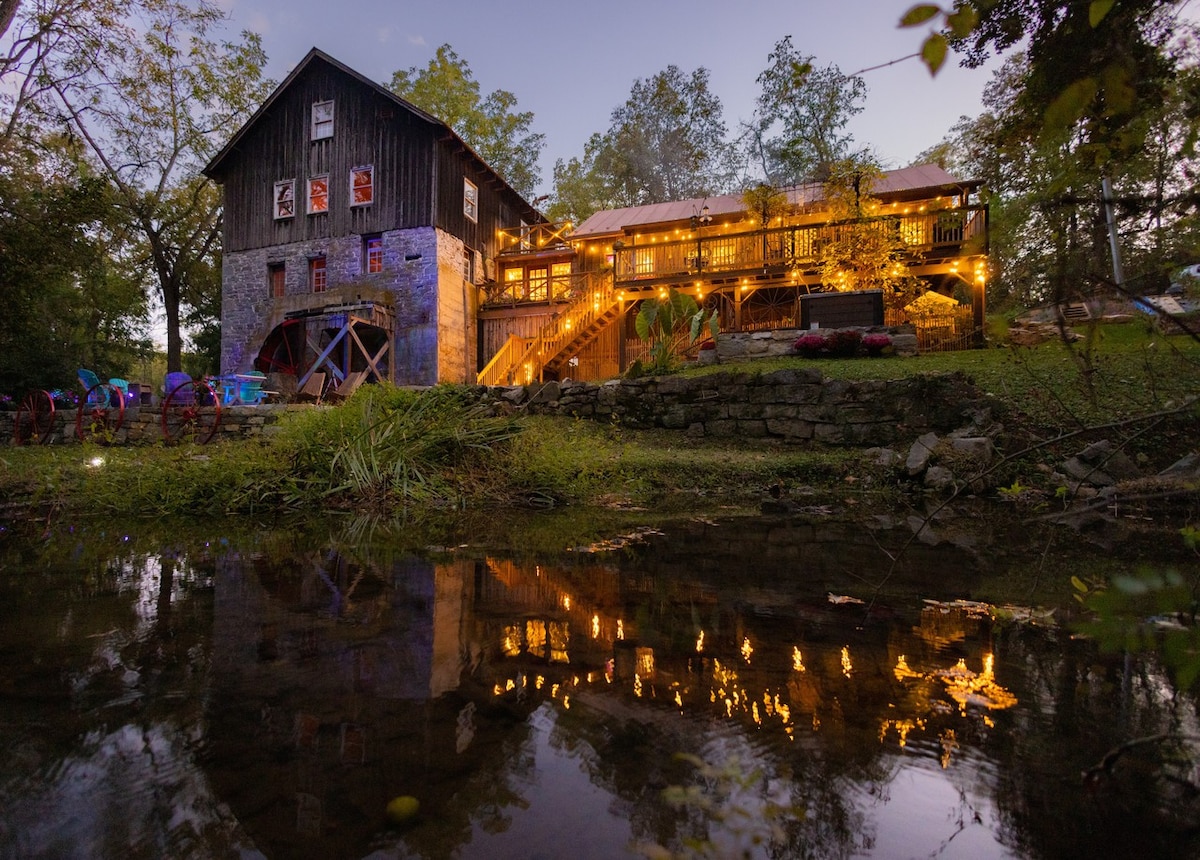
pixel 672 323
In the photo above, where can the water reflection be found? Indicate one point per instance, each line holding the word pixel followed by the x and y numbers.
pixel 270 698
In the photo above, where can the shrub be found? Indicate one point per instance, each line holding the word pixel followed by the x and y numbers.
pixel 845 343
pixel 811 345
pixel 876 343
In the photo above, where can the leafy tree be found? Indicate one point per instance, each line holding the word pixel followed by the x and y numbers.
pixel 666 142
pixel 150 109
pixel 490 124
pixel 66 305
pixel 863 251
pixel 799 131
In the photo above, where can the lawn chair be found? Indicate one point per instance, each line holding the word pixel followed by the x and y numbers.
pixel 121 387
pixel 90 383
pixel 313 390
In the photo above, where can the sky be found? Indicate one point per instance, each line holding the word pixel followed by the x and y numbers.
pixel 572 63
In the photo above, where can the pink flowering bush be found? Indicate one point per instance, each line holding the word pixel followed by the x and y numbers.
pixel 811 345
pixel 876 343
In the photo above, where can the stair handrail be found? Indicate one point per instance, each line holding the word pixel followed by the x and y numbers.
pixel 553 337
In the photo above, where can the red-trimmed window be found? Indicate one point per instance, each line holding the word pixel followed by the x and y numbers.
pixel 372 254
pixel 276 280
pixel 362 186
pixel 318 195
pixel 316 274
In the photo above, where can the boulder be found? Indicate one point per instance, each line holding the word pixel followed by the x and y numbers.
pixel 920 454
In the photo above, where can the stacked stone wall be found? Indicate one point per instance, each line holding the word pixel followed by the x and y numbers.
pixel 797 405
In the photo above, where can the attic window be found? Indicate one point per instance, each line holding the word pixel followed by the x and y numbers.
pixel 285 199
pixel 322 120
pixel 470 200
pixel 362 186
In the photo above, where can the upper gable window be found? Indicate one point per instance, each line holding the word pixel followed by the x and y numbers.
pixel 285 199
pixel 470 200
pixel 322 120
pixel 318 194
pixel 362 186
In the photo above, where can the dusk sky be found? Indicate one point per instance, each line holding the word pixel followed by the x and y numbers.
pixel 571 64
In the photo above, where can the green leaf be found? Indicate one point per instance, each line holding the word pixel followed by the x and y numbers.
pixel 1079 584
pixel 1069 105
pixel 919 14
pixel 1098 10
pixel 962 22
pixel 933 52
pixel 645 318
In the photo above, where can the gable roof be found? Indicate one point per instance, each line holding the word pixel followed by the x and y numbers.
pixel 908 181
pixel 213 169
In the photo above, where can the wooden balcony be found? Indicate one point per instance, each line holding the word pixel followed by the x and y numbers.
pixel 929 237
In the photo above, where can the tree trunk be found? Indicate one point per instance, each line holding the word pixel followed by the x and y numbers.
pixel 8 11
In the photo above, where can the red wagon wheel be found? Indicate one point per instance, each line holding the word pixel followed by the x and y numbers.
pixel 100 415
pixel 35 419
pixel 191 413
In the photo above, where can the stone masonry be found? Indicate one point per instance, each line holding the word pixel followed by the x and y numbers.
pixel 413 278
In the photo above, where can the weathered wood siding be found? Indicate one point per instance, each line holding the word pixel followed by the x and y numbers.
pixel 418 171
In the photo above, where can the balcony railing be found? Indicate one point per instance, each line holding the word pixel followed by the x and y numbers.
pixel 926 234
pixel 534 237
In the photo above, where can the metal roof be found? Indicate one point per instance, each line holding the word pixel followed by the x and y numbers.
pixel 922 177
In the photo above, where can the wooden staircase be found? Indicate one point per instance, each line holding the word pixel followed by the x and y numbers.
pixel 522 361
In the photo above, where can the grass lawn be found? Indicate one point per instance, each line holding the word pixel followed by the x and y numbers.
pixel 1122 372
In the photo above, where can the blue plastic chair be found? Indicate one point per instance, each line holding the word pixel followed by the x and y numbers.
pixel 89 381
pixel 122 388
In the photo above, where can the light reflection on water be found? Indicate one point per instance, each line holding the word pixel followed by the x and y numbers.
pixel 271 701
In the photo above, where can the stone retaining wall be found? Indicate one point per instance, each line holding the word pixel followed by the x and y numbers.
pixel 793 405
pixel 143 426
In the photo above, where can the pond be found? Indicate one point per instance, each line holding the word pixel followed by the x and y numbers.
pixel 700 686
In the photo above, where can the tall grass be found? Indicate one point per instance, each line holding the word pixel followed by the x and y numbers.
pixel 389 446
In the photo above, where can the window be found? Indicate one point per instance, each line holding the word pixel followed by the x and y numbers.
pixel 318 194
pixel 316 274
pixel 537 284
pixel 362 186
pixel 470 200
pixel 285 199
pixel 276 280
pixel 560 281
pixel 469 265
pixel 322 120
pixel 372 254
pixel 514 283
